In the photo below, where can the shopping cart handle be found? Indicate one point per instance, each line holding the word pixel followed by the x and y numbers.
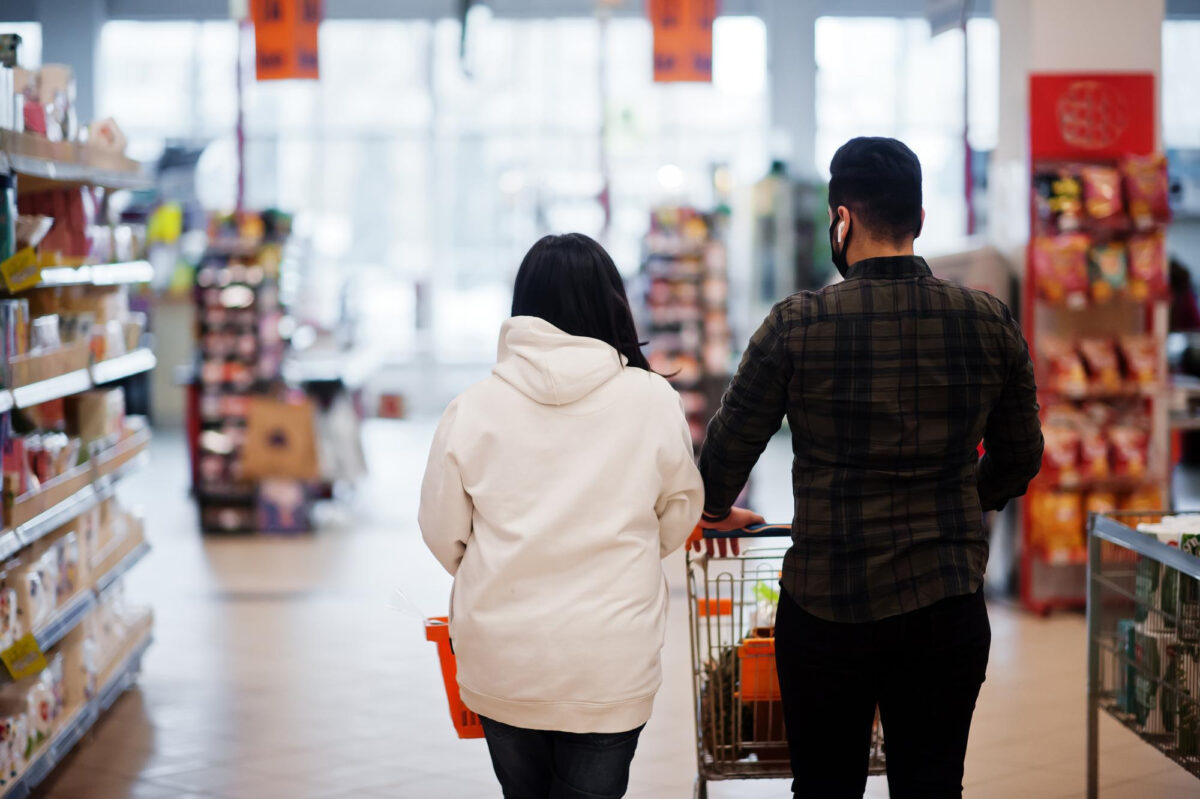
pixel 753 531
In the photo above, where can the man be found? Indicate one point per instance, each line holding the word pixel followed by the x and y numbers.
pixel 889 381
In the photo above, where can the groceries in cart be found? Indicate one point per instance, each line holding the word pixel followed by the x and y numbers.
pixel 734 597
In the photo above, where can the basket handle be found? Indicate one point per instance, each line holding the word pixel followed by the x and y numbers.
pixel 753 531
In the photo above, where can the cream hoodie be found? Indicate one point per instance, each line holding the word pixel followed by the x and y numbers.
pixel 553 489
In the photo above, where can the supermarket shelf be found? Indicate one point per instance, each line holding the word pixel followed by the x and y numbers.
pixel 54 517
pixel 79 380
pixel 1111 484
pixel 79 724
pixel 122 366
pixel 65 619
pixel 45 163
pixel 57 387
pixel 1185 422
pixel 1129 392
pixel 106 581
pixel 126 273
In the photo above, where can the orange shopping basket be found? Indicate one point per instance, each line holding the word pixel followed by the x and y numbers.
pixel 466 723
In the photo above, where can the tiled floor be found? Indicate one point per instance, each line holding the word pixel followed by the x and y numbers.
pixel 291 668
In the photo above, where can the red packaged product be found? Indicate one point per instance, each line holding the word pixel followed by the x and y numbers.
pixel 1060 460
pixel 1140 354
pixel 1130 446
pixel 1104 368
pixel 1147 189
pixel 1093 453
pixel 1147 266
pixel 1066 374
pixel 1060 266
pixel 1101 191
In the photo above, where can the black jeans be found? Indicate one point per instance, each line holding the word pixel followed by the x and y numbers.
pixel 923 670
pixel 537 764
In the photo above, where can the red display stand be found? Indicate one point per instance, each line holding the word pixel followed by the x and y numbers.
pixel 1097 336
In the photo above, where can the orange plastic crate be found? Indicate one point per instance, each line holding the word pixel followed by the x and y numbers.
pixel 760 681
pixel 466 723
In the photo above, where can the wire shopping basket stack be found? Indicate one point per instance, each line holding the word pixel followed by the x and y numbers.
pixel 1143 609
pixel 739 715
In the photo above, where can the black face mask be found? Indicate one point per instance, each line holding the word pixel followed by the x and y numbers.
pixel 839 257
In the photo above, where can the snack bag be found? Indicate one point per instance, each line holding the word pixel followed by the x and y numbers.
pixel 1057 521
pixel 1066 370
pixel 1108 270
pixel 1147 266
pixel 1130 445
pixel 1059 199
pixel 1147 189
pixel 1144 500
pixel 1060 266
pixel 1093 454
pixel 1101 191
pixel 1100 502
pixel 1140 354
pixel 1061 456
pixel 1103 367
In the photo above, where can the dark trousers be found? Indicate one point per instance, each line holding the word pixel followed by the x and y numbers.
pixel 923 670
pixel 537 764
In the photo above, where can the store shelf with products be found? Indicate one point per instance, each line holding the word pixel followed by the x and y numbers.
pixel 1095 315
pixel 685 292
pixel 68 334
pixel 240 367
pixel 42 163
pixel 1143 661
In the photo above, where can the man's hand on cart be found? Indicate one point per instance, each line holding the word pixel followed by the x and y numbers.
pixel 736 519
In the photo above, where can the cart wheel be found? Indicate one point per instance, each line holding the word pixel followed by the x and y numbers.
pixel 701 790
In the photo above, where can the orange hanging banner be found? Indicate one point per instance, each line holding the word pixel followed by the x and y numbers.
pixel 683 40
pixel 285 38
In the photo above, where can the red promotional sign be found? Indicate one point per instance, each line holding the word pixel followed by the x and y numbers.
pixel 285 38
pixel 683 40
pixel 1092 115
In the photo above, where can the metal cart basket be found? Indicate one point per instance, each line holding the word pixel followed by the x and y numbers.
pixel 1143 618
pixel 731 610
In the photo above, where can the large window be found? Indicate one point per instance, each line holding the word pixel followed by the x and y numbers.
pixel 1181 66
pixel 889 77
pixel 417 169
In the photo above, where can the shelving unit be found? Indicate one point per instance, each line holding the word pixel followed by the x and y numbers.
pixel 1095 313
pixel 36 165
pixel 240 356
pixel 685 315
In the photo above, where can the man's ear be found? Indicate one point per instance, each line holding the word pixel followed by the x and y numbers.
pixel 922 224
pixel 844 226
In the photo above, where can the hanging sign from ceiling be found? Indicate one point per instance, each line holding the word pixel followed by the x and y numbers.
pixel 683 40
pixel 285 38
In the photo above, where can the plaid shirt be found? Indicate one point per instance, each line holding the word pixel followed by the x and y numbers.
pixel 889 381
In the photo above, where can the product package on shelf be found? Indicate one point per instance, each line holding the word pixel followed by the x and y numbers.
pixel 240 362
pixel 1095 318
pixel 685 299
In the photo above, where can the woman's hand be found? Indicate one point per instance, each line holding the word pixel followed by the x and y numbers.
pixel 738 518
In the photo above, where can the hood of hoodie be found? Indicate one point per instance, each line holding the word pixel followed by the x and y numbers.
pixel 550 366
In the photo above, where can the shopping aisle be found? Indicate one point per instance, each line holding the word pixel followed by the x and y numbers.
pixel 287 668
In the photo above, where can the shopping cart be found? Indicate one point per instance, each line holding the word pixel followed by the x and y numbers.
pixel 731 611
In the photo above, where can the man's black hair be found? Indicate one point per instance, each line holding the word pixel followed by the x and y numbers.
pixel 879 180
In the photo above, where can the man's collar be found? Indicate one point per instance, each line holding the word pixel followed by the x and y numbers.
pixel 889 267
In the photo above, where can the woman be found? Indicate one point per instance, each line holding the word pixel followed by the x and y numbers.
pixel 554 488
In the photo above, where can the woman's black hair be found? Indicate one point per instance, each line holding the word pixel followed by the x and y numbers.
pixel 572 283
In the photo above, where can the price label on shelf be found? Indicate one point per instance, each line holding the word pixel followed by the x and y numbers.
pixel 24 658
pixel 21 271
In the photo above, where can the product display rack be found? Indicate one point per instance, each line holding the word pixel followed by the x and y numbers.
pixel 1090 314
pixel 31 165
pixel 1143 621
pixel 685 308
pixel 240 357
